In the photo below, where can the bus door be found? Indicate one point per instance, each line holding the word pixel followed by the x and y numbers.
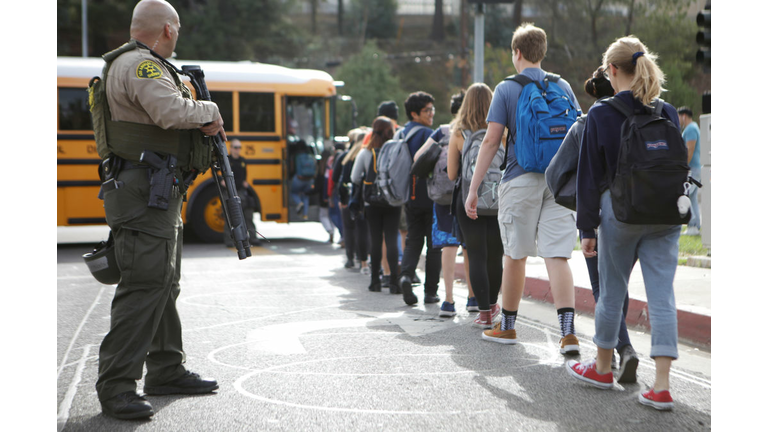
pixel 305 122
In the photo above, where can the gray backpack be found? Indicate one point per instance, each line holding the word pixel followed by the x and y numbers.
pixel 488 192
pixel 439 186
pixel 394 168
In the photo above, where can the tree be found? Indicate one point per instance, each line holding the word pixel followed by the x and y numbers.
pixel 594 8
pixel 210 29
pixel 671 34
pixel 237 29
pixel 369 80
pixel 375 18
pixel 438 25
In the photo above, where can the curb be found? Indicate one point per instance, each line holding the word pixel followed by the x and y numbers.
pixel 692 328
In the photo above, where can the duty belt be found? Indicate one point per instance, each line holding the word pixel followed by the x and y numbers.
pixel 110 168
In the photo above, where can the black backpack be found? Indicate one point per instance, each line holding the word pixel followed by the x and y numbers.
pixel 652 169
pixel 372 192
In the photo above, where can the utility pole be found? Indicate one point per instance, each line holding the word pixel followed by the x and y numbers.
pixel 479 42
pixel 464 60
pixel 84 15
pixel 478 75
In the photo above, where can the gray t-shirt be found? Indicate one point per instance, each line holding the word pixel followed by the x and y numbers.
pixel 504 108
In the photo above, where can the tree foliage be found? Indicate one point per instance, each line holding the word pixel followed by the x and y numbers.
pixel 369 81
pixel 274 31
pixel 375 19
pixel 210 29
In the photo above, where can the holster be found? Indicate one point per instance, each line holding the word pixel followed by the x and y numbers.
pixel 162 178
pixel 108 170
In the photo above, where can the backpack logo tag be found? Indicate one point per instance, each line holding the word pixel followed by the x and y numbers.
pixel 657 145
pixel 557 130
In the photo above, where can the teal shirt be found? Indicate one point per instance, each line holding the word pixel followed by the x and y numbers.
pixel 691 133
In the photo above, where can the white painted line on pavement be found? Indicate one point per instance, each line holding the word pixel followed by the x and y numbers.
pixel 238 384
pixel 66 404
pixel 77 332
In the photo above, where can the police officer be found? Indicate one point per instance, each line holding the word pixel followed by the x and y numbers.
pixel 150 110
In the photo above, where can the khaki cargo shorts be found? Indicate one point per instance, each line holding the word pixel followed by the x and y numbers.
pixel 531 222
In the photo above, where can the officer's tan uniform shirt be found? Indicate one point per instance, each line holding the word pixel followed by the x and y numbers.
pixel 140 89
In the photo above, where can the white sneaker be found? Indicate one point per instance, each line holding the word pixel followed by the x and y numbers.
pixel 366 271
pixel 691 231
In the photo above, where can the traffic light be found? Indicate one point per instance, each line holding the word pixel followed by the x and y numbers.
pixel 703 37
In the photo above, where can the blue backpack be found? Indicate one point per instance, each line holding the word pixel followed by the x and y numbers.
pixel 544 115
pixel 306 164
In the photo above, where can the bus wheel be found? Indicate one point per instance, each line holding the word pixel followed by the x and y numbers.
pixel 206 218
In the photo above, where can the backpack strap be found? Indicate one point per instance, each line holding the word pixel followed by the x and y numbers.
pixel 413 131
pixel 552 77
pixel 521 79
pixel 619 106
pixel 658 106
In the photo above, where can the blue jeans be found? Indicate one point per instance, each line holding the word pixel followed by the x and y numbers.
pixel 594 279
pixel 656 246
pixel 693 195
pixel 335 214
pixel 299 190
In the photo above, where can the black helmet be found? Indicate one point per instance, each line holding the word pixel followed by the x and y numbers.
pixel 102 262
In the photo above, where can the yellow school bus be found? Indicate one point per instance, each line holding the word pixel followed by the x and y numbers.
pixel 268 108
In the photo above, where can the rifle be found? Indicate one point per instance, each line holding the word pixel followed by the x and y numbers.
pixel 230 201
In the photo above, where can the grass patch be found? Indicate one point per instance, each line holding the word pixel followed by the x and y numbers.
pixel 689 246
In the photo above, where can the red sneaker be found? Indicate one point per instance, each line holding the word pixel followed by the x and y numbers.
pixel 484 320
pixel 495 311
pixel 587 372
pixel 662 400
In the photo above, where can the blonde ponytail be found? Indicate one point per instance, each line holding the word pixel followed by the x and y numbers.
pixel 629 55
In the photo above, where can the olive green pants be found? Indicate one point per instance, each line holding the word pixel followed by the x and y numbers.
pixel 145 326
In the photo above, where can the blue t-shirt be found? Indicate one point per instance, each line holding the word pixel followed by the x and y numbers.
pixel 691 133
pixel 504 108
pixel 599 156
pixel 437 135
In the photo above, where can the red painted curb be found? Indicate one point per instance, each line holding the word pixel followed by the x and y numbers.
pixel 691 327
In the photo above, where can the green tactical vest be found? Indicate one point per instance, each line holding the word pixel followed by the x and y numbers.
pixel 127 140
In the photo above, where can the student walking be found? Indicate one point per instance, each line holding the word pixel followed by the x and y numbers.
pixel 531 223
pixel 382 218
pixel 446 235
pixel 355 227
pixel 638 81
pixel 481 235
pixel 419 107
pixel 561 179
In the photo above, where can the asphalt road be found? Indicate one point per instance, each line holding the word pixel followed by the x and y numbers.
pixel 297 342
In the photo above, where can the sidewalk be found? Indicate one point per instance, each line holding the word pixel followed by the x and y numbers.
pixel 692 294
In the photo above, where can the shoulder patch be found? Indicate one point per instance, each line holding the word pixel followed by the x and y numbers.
pixel 149 69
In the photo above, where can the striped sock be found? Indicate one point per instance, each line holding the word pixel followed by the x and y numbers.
pixel 508 319
pixel 565 316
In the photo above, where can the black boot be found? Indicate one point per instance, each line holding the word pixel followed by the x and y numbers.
pixel 407 290
pixel 189 383
pixel 127 406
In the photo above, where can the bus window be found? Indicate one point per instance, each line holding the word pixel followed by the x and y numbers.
pixel 73 109
pixel 306 121
pixel 257 112
pixel 224 100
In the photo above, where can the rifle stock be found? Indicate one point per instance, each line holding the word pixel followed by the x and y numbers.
pixel 230 201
